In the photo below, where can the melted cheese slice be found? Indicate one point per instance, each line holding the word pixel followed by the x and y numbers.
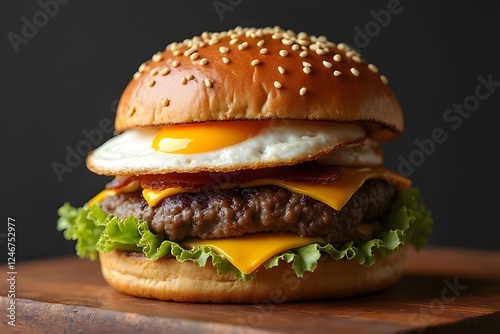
pixel 248 252
pixel 131 187
pixel 336 194
pixel 101 196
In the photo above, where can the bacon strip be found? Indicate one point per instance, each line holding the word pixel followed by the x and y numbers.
pixel 121 181
pixel 305 172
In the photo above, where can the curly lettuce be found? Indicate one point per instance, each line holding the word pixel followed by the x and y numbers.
pixel 407 221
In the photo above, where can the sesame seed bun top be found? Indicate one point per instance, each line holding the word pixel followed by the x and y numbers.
pixel 251 74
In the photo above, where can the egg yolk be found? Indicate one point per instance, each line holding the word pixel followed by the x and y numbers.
pixel 204 137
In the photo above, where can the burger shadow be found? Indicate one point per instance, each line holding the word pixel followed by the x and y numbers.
pixel 422 289
pixel 426 304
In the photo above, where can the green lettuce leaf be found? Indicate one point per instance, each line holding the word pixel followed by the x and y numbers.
pixel 77 226
pixel 407 221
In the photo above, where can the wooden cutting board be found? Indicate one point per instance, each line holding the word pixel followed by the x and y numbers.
pixel 443 291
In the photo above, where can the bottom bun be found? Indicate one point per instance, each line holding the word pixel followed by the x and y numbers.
pixel 168 279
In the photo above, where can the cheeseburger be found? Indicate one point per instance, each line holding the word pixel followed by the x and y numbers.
pixel 247 166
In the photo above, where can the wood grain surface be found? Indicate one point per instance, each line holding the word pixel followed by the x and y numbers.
pixel 443 291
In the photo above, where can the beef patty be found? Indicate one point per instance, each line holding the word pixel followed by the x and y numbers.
pixel 234 212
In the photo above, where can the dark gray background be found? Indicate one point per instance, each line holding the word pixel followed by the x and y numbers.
pixel 68 76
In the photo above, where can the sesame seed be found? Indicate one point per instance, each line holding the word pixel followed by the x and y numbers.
pixel 261 42
pixel 283 53
pixel 320 52
pixel 264 51
pixel 341 46
pixel 171 46
pixel 184 80
pixel 203 61
pixel 153 72
pixel 384 79
pixel 189 52
pixel 302 35
pixel 356 59
pixel 223 49
pixel 175 63
pixel 306 69
pixel 337 73
pixel 194 56
pixel 177 53
pixel 255 62
pixel 242 46
pixel 151 83
pixel 142 68
pixel 165 71
pixel 287 41
pixel 303 91
pixel 350 53
pixel 277 35
pixel 281 70
pixel 190 77
pixel 137 75
pixel 131 111
pixel 213 41
pixel 373 68
pixel 277 84
pixel 165 102
pixel 225 60
pixel 233 41
pixel 295 47
pixel 354 71
pixel 208 83
pixel 327 64
pixel 337 58
pixel 303 54
pixel 157 57
pixel 306 64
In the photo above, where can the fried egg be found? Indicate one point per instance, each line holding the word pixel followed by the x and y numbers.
pixel 220 146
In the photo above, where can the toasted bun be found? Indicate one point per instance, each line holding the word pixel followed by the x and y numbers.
pixel 168 279
pixel 253 74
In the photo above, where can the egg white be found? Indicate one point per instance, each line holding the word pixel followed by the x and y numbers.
pixel 131 152
pixel 365 154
